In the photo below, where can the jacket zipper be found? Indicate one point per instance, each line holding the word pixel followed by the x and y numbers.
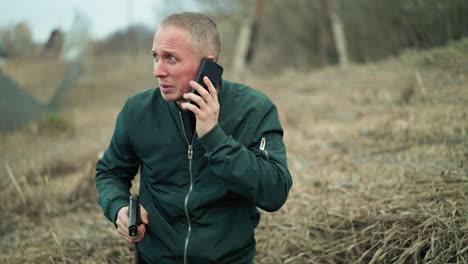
pixel 262 148
pixel 190 157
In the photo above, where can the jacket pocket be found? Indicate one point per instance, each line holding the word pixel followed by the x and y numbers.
pixel 158 226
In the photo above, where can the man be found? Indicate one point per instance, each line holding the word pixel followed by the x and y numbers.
pixel 205 167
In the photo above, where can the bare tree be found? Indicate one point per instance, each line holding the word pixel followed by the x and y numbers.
pixel 332 11
pixel 247 39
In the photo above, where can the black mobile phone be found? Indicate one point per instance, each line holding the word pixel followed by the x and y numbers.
pixel 212 70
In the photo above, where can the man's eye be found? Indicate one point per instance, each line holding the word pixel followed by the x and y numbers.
pixel 156 57
pixel 171 58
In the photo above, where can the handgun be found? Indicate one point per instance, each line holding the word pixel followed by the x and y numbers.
pixel 133 215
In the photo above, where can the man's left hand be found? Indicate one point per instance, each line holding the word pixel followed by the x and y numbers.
pixel 208 111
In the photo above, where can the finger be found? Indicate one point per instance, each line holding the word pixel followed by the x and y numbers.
pixel 136 239
pixel 197 86
pixel 141 229
pixel 212 90
pixel 194 109
pixel 122 216
pixel 208 96
pixel 143 215
pixel 120 224
pixel 196 99
pixel 201 90
pixel 124 234
pixel 210 85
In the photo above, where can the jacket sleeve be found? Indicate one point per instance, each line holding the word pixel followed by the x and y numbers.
pixel 116 169
pixel 258 172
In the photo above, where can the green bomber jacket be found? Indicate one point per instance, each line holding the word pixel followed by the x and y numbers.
pixel 201 193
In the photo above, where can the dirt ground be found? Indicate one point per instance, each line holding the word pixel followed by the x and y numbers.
pixel 378 155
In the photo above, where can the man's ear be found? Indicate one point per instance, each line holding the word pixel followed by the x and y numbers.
pixel 211 57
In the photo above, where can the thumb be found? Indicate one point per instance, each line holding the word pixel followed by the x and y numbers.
pixel 143 215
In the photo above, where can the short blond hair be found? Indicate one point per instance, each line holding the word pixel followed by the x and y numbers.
pixel 202 30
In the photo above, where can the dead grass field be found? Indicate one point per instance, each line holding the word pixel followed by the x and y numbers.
pixel 378 154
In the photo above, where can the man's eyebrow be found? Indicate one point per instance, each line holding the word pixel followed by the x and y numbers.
pixel 166 52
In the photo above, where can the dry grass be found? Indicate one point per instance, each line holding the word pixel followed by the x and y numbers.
pixel 381 174
pixel 378 153
pixel 422 221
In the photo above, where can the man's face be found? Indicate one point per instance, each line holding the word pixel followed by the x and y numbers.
pixel 175 62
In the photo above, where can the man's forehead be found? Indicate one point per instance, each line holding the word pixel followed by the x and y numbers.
pixel 173 33
pixel 170 38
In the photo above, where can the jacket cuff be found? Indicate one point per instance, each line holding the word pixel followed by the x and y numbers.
pixel 213 138
pixel 114 209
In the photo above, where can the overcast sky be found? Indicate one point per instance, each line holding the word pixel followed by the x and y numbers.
pixel 106 16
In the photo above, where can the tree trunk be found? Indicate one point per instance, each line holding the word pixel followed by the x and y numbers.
pixel 255 29
pixel 245 48
pixel 241 49
pixel 338 34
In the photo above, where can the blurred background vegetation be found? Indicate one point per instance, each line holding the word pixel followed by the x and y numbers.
pixel 295 34
pixel 258 36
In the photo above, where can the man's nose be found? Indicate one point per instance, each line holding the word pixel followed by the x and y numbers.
pixel 159 69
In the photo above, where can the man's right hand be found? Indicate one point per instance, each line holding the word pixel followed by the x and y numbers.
pixel 122 224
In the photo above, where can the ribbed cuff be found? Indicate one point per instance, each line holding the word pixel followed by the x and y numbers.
pixel 213 138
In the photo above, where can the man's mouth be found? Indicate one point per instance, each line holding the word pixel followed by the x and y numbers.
pixel 165 87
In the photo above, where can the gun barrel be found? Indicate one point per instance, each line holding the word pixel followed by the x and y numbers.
pixel 133 215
